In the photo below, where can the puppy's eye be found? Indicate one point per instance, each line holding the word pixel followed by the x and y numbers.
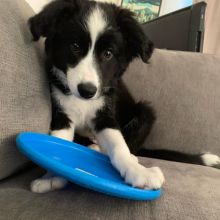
pixel 107 54
pixel 75 48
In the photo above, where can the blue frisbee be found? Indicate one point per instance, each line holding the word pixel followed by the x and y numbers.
pixel 79 165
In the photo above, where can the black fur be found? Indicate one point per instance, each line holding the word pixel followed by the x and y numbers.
pixel 171 155
pixel 59 119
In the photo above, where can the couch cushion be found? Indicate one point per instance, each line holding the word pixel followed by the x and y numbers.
pixel 184 89
pixel 190 192
pixel 24 102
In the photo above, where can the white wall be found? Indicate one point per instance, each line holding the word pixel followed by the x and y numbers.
pixel 166 7
pixel 118 2
pixel 173 5
pixel 212 23
pixel 37 5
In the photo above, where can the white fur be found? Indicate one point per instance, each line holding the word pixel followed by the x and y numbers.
pixel 66 134
pixel 210 159
pixel 133 172
pixel 96 24
pixel 80 111
pixel 86 70
pixel 95 147
pixel 49 182
pixel 100 149
pixel 60 75
pixel 43 185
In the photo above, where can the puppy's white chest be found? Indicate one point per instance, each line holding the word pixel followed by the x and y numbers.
pixel 79 111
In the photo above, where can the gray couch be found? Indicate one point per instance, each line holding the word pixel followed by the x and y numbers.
pixel 184 89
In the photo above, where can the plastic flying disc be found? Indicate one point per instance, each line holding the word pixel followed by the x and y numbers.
pixel 79 165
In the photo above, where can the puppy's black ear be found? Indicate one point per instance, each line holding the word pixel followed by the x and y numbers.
pixel 139 45
pixel 42 24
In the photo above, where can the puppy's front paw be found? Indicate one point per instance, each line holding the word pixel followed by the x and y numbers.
pixel 145 178
pixel 46 185
pixel 138 175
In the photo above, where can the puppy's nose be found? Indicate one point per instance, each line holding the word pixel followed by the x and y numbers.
pixel 87 90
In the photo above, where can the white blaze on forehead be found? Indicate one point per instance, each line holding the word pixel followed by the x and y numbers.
pixel 86 71
pixel 96 24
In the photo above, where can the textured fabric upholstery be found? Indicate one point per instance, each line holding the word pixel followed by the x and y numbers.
pixel 190 193
pixel 24 99
pixel 184 89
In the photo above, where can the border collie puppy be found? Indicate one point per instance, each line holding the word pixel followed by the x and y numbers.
pixel 88 47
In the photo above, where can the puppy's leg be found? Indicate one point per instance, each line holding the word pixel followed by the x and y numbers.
pixel 138 125
pixel 111 139
pixel 101 150
pixel 133 172
pixel 49 182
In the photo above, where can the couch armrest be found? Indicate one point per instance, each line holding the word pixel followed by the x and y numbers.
pixel 24 91
pixel 184 88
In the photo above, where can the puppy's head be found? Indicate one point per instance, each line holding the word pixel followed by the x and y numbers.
pixel 89 43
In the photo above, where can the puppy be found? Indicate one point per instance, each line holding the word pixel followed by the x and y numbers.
pixel 88 47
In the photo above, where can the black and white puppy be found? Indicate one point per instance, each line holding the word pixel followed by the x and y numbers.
pixel 88 47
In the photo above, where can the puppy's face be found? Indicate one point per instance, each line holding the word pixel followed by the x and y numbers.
pixel 90 44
